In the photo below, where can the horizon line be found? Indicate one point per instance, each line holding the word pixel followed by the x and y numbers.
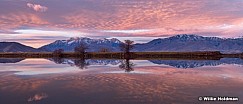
pixel 121 40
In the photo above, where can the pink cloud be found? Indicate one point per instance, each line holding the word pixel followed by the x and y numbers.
pixel 37 7
pixel 120 18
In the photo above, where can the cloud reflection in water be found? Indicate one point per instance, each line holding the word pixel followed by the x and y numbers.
pixel 38 97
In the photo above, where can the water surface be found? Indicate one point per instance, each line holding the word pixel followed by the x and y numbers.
pixel 76 81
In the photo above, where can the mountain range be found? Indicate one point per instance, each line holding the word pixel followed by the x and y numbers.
pixel 94 44
pixel 178 43
pixel 185 43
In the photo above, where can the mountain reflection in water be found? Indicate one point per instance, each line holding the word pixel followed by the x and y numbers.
pixel 198 63
pixel 127 64
pixel 10 60
pixel 78 62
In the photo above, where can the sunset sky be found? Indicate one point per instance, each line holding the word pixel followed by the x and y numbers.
pixel 39 22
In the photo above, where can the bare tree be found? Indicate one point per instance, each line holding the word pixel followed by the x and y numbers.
pixel 127 46
pixel 81 48
pixel 126 65
pixel 104 50
pixel 58 52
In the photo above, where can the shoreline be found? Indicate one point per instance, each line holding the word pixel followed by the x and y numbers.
pixel 207 55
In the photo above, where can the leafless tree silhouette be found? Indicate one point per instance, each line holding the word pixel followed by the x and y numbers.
pixel 126 47
pixel 127 65
pixel 81 63
pixel 104 50
pixel 58 52
pixel 81 49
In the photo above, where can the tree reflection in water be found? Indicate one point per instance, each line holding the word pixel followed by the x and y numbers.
pixel 127 65
pixel 58 60
pixel 81 63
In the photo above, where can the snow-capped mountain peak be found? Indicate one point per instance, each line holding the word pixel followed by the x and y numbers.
pixel 94 44
pixel 178 43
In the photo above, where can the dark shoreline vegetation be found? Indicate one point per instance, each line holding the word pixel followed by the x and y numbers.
pixel 207 55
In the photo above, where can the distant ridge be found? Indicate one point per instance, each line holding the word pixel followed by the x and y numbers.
pixel 16 47
pixel 177 43
pixel 185 43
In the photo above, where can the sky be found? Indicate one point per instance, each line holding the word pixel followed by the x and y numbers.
pixel 39 22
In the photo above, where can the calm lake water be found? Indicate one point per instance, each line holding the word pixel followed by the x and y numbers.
pixel 76 81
